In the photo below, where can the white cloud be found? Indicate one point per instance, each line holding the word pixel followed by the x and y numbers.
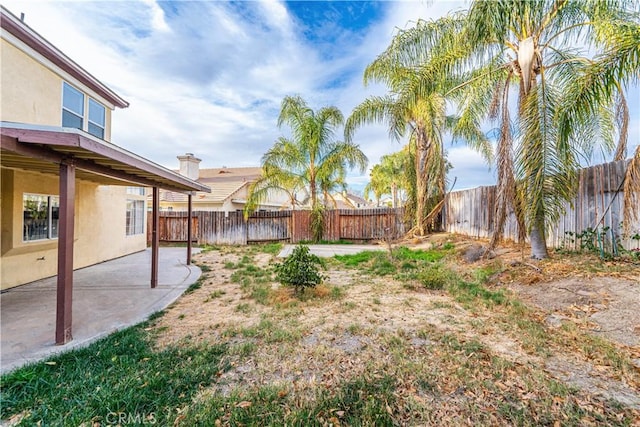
pixel 208 77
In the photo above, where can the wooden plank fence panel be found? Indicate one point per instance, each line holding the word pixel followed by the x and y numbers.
pixel 268 226
pixel 222 228
pixel 293 226
pixel 172 227
pixel 370 224
pixel 598 203
pixel 300 227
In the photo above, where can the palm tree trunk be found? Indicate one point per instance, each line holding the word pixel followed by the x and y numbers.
pixel 394 194
pixel 422 149
pixel 538 238
pixel 314 196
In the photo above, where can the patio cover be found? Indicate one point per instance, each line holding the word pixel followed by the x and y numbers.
pixel 70 154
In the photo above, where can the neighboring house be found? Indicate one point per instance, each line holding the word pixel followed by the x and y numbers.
pixel 347 200
pixel 229 189
pixel 69 197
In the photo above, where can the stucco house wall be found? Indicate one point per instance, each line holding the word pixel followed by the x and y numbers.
pixel 31 87
pixel 32 93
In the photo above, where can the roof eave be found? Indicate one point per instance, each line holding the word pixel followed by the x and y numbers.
pixel 31 137
pixel 10 23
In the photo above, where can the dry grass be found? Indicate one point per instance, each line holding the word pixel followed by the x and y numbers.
pixel 451 358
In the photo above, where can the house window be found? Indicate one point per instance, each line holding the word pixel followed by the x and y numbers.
pixel 72 107
pixel 96 119
pixel 135 217
pixel 73 112
pixel 40 217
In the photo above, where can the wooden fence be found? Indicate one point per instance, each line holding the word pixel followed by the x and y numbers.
pixel 598 204
pixel 290 226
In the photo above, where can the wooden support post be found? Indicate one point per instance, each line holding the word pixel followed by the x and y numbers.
pixel 155 238
pixel 189 228
pixel 65 252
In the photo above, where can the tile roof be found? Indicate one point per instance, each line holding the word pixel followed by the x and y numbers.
pixel 220 191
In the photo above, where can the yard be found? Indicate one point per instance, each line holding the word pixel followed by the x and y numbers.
pixel 422 336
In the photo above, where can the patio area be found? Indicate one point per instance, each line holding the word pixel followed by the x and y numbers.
pixel 106 297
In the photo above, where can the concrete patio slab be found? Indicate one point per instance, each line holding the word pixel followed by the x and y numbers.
pixel 327 251
pixel 106 297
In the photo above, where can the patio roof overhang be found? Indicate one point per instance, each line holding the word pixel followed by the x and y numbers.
pixel 44 148
pixel 72 154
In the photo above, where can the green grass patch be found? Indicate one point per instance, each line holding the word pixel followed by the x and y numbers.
pixel 468 292
pixel 270 248
pixel 196 285
pixel 215 294
pixel 355 260
pixel 361 402
pixel 434 276
pixel 261 293
pixel 271 332
pixel 120 374
pixel 244 308
pixel 380 263
pixel 209 248
pixel 405 254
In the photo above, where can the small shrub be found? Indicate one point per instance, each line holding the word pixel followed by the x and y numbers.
pixel 300 269
pixel 435 277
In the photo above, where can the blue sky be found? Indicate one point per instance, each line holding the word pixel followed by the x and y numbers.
pixel 208 77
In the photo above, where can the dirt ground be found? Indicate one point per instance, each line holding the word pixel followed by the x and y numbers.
pixel 337 339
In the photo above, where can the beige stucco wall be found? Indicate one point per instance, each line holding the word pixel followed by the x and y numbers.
pixel 100 232
pixel 31 88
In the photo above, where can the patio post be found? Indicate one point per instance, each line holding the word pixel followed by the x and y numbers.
pixel 155 239
pixel 189 228
pixel 64 294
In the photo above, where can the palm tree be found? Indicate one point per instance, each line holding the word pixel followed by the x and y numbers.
pixel 602 80
pixel 415 105
pixel 311 160
pixel 533 47
pixel 390 177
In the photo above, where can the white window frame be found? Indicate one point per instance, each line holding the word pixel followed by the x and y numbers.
pixel 80 114
pixel 102 126
pixel 51 225
pixel 135 217
pixel 87 103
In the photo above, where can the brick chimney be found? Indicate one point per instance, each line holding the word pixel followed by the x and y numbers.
pixel 190 166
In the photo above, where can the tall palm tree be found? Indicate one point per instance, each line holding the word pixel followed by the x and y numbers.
pixel 415 105
pixel 390 176
pixel 532 45
pixel 530 50
pixel 311 159
pixel 602 80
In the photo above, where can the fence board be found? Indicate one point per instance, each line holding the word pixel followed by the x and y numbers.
pixel 268 226
pixel 598 203
pixel 291 226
